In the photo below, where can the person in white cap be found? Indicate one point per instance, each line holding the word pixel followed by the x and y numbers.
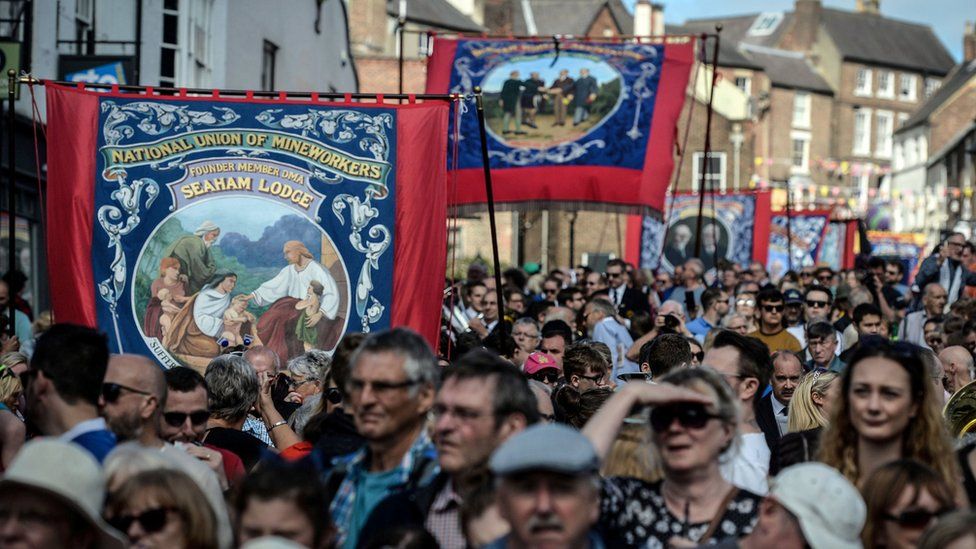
pixel 43 503
pixel 809 505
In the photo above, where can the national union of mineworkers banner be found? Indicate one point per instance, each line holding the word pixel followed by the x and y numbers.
pixel 734 227
pixel 808 230
pixel 181 225
pixel 569 121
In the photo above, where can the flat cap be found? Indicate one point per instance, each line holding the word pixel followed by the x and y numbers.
pixel 546 447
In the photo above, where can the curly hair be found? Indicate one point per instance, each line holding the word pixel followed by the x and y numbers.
pixel 925 438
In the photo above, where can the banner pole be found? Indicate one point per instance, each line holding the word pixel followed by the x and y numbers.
pixel 708 144
pixel 11 196
pixel 401 23
pixel 789 227
pixel 479 102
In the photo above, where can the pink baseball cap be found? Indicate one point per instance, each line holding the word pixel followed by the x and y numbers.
pixel 540 361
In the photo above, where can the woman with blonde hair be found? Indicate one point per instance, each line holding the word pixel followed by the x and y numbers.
pixel 887 411
pixel 12 430
pixel 809 411
pixel 163 508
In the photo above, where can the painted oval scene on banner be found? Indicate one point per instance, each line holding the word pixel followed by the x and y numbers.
pixel 540 101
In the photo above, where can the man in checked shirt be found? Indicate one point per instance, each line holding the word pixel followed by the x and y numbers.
pixel 482 401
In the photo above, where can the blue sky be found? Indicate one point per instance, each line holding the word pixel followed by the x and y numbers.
pixel 946 17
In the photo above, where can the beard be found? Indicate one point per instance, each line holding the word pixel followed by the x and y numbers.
pixel 126 426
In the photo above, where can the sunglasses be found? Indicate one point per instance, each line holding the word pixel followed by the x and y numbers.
pixel 151 521
pixel 613 275
pixel 112 391
pixel 806 275
pixel 545 377
pixel 333 395
pixel 690 416
pixel 595 378
pixel 746 302
pixel 176 419
pixel 699 356
pixel 915 519
pixel 773 308
pixel 814 304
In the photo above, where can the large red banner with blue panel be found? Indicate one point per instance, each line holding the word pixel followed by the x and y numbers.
pixel 567 120
pixel 181 225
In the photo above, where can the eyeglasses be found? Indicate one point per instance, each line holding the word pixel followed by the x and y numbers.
pixel 293 383
pixel 112 391
pixel 595 378
pixel 151 521
pixel 825 279
pixel 545 376
pixel 699 356
pixel 613 275
pixel 806 275
pixel 773 308
pixel 690 416
pixel 915 519
pixel 176 419
pixel 551 290
pixel 956 244
pixel 745 302
pixel 380 387
pixel 814 304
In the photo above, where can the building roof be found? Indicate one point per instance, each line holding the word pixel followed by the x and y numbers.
pixel 860 37
pixel 787 69
pixel 439 14
pixel 551 17
pixel 956 79
pixel 886 41
pixel 728 54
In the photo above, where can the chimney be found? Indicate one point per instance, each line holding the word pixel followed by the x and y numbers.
pixel 872 7
pixel 969 42
pixel 498 15
pixel 806 24
pixel 657 19
pixel 643 18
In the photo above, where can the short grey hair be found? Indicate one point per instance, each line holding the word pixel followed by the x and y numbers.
pixel 565 314
pixel 604 306
pixel 526 321
pixel 313 365
pixel 233 387
pixel 266 351
pixel 419 362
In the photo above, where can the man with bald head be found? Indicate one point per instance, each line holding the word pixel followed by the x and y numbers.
pixel 957 367
pixel 133 396
pixel 912 327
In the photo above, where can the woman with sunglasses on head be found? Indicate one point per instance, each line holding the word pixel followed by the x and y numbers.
pixel 693 421
pixel 903 498
pixel 162 508
pixel 809 411
pixel 886 411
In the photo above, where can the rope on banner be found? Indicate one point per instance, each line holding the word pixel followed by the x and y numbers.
pixel 35 116
pixel 668 214
pixel 453 222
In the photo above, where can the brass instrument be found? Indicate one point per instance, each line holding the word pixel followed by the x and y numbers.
pixel 960 411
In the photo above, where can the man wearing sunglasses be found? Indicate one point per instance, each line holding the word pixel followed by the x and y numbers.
pixel 628 301
pixel 771 330
pixel 817 301
pixel 185 415
pixel 132 403
pixel 63 385
pixel 584 367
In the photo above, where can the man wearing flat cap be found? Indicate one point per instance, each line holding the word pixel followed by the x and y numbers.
pixel 550 499
pixel 193 252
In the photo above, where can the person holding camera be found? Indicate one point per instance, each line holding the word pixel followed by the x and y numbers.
pixel 945 267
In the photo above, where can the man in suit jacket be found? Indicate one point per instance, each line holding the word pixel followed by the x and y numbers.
pixel 584 94
pixel 628 301
pixel 772 411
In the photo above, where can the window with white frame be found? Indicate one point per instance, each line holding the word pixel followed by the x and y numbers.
pixel 883 130
pixel 714 170
pixel 765 23
pixel 744 83
pixel 862 132
pixel 198 50
pixel 801 110
pixel 906 87
pixel 800 152
pixel 931 86
pixel 886 84
pixel 862 82
pixel 169 49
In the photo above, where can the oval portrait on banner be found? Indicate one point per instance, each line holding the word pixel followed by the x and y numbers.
pixel 239 270
pixel 680 244
pixel 537 102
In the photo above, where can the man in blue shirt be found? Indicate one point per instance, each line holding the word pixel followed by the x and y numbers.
pixel 603 327
pixel 715 302
pixel 63 386
pixel 391 389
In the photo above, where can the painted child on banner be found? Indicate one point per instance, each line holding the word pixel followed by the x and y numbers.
pixel 277 326
pixel 308 335
pixel 236 318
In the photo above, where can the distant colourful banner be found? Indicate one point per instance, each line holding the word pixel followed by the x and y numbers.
pixel 909 247
pixel 807 229
pixel 734 227
pixel 567 121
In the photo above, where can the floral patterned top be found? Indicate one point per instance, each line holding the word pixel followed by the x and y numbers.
pixel 633 514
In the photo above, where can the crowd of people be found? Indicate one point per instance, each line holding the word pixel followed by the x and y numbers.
pixel 578 408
